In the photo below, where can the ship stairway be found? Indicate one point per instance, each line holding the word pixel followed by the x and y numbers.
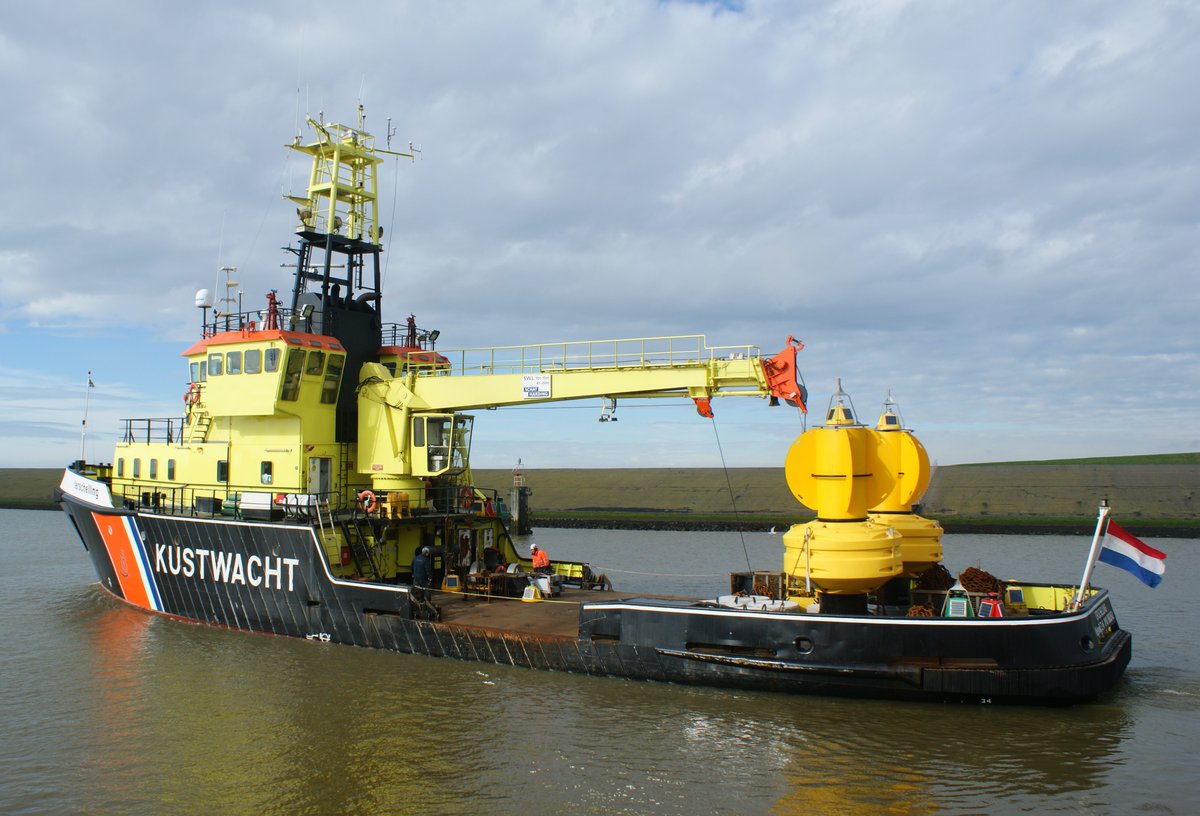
pixel 360 548
pixel 198 432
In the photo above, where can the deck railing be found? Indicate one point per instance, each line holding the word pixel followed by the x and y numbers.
pixel 593 355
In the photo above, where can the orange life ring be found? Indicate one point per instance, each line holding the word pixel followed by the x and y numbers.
pixel 489 509
pixel 466 497
pixel 366 500
pixel 193 394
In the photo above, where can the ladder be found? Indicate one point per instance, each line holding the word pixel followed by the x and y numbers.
pixel 360 549
pixel 198 432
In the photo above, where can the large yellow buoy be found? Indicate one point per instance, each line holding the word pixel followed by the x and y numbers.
pixel 905 463
pixel 835 470
pixel 841 558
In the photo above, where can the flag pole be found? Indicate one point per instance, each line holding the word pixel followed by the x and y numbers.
pixel 87 401
pixel 1101 516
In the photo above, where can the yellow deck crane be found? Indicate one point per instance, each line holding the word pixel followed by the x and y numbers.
pixel 410 430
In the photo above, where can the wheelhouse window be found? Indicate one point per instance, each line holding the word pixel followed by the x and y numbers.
pixel 271 359
pixel 266 471
pixel 291 377
pixel 214 365
pixel 137 468
pixel 333 376
pixel 233 362
pixel 223 470
pixel 153 468
pixel 171 469
pixel 316 363
pixel 120 468
pixel 438 434
pixel 253 361
pixel 462 441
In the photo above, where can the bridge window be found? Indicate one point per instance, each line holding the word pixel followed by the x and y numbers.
pixel 253 361
pixel 171 469
pixel 137 468
pixel 333 374
pixel 195 369
pixel 223 470
pixel 214 365
pixel 291 377
pixel 271 358
pixel 153 468
pixel 233 362
pixel 121 468
pixel 316 363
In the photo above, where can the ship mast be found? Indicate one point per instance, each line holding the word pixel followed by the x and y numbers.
pixel 337 287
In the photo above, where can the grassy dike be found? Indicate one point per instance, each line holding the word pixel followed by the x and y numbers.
pixel 1151 495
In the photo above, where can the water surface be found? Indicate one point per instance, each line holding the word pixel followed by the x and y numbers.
pixel 106 709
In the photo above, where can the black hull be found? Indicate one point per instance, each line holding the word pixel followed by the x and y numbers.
pixel 273 578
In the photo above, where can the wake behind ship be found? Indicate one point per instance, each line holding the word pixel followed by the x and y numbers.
pixel 318 485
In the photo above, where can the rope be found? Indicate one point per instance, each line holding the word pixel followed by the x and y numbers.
pixel 392 221
pixel 732 498
pixel 607 570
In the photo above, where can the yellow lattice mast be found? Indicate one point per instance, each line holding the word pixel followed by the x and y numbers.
pixel 342 190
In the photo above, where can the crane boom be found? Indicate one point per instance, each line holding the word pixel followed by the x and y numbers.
pixel 403 407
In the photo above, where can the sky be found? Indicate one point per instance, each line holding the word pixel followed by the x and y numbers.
pixel 989 209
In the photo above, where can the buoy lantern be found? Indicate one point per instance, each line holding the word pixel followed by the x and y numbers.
pixel 958 603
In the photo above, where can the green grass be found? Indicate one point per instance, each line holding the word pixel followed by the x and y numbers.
pixel 1150 459
pixel 28 487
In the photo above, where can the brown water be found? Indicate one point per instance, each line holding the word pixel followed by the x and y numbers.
pixel 105 709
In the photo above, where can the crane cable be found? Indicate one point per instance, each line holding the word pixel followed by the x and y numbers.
pixel 732 498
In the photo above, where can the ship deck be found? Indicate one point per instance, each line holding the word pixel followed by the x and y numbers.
pixel 552 617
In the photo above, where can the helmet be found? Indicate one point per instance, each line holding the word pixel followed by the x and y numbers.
pixel 424 551
pixel 533 547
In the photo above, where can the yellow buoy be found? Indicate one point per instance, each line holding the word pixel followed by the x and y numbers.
pixel 904 463
pixel 842 558
pixel 836 470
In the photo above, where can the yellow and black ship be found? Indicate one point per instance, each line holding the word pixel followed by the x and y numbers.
pixel 318 485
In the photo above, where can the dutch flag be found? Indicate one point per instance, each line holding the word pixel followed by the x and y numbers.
pixel 1123 550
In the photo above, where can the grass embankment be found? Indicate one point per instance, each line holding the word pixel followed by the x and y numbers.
pixel 1154 495
pixel 1151 494
pixel 29 487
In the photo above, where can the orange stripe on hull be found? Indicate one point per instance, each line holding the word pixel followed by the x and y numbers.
pixel 124 559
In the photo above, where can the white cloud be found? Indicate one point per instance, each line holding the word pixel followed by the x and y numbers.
pixel 988 207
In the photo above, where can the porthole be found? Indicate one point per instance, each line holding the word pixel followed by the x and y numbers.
pixel 1087 644
pixel 804 645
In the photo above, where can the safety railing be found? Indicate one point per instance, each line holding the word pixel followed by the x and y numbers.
pixel 213 502
pixel 593 355
pixel 169 430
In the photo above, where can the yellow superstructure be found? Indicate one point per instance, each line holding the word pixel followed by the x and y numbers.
pixel 317 411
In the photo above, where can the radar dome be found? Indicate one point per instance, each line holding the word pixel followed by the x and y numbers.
pixel 204 299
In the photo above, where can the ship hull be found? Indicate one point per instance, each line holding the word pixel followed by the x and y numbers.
pixel 273 578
